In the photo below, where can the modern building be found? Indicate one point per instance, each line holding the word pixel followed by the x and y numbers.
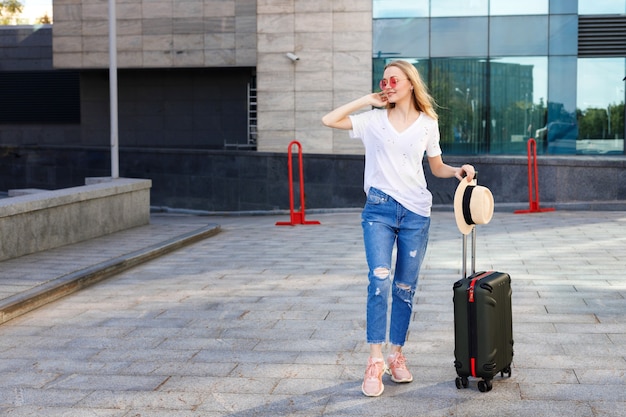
pixel 506 71
pixel 212 92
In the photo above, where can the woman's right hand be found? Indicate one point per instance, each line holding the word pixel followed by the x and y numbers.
pixel 378 99
pixel 340 117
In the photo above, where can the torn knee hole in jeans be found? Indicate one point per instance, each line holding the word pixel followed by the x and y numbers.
pixel 403 286
pixel 381 273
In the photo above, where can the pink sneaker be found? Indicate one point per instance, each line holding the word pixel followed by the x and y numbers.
pixel 397 368
pixel 373 381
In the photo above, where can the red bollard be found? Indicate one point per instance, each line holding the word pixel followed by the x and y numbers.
pixel 297 217
pixel 533 200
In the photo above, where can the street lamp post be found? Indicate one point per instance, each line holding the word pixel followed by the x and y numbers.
pixel 115 171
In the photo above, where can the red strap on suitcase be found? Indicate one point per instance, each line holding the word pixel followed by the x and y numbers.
pixel 470 289
pixel 470 299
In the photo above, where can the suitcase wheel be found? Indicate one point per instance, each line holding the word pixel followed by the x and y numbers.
pixel 485 385
pixel 506 371
pixel 461 382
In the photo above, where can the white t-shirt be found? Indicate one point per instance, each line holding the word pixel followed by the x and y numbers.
pixel 393 161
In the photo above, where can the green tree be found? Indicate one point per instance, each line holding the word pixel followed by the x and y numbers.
pixel 9 9
pixel 45 19
pixel 600 123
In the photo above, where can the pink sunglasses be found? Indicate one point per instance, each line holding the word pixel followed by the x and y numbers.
pixel 391 83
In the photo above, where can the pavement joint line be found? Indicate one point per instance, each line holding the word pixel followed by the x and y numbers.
pixel 51 290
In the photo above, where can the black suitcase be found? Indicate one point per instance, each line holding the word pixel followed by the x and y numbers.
pixel 483 324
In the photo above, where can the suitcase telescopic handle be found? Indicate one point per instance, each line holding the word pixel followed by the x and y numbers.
pixel 473 256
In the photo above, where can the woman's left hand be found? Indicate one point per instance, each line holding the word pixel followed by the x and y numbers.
pixel 466 169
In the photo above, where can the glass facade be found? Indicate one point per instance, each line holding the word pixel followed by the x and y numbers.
pixel 503 72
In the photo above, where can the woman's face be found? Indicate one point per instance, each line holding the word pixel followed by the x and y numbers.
pixel 395 85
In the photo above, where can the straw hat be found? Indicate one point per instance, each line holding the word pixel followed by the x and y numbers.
pixel 473 204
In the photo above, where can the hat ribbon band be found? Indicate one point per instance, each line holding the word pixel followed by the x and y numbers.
pixel 467 196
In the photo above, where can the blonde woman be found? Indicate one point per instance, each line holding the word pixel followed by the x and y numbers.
pixel 396 135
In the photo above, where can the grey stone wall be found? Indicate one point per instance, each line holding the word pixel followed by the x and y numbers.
pixel 249 181
pixel 333 40
pixel 156 33
pixel 25 48
pixel 44 220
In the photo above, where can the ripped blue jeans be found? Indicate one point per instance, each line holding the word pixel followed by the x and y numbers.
pixel 387 223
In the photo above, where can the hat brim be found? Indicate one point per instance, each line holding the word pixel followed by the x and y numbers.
pixel 464 228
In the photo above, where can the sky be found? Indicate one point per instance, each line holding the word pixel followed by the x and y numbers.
pixel 34 9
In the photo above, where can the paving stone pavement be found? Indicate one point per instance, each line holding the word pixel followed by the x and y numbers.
pixel 262 320
pixel 31 281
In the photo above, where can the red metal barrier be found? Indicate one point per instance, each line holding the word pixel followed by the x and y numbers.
pixel 533 198
pixel 297 217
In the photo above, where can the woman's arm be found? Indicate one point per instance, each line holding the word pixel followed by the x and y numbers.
pixel 442 170
pixel 339 118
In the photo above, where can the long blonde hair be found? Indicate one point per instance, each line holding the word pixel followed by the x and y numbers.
pixel 422 99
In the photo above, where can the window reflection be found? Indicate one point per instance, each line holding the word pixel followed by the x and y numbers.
pixel 600 105
pixel 459 37
pixel 459 86
pixel 563 7
pixel 400 37
pixel 559 134
pixel 518 92
pixel 489 106
pixel 459 8
pixel 563 35
pixel 601 6
pixel 518 35
pixel 526 7
pixel 400 8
